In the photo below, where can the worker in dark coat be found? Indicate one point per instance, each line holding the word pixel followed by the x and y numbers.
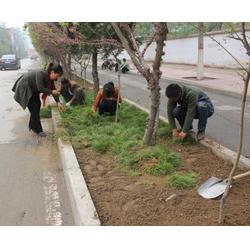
pixel 72 93
pixel 28 88
pixel 186 103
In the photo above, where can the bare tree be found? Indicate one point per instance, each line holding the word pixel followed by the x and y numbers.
pixel 95 71
pixel 151 75
pixel 245 42
pixel 200 64
pixel 83 61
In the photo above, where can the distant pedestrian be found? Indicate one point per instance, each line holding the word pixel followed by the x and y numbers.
pixel 124 67
pixel 106 99
pixel 28 88
pixel 186 104
pixel 72 93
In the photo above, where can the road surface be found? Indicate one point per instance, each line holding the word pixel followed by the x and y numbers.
pixel 32 188
pixel 223 126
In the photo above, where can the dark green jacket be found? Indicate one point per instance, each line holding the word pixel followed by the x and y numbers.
pixel 30 83
pixel 188 100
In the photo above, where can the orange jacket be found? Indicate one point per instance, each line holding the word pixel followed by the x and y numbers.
pixel 100 97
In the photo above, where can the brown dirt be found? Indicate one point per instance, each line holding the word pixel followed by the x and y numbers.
pixel 143 200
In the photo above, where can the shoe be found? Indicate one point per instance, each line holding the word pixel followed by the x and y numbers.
pixel 200 135
pixel 42 134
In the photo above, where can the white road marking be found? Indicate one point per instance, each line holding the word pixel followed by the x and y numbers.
pixel 52 201
pixel 227 108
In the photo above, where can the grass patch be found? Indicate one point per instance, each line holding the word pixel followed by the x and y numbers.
pixel 45 112
pixel 162 169
pixel 187 141
pixel 183 180
pixel 123 140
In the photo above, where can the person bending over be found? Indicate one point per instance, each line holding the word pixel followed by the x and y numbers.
pixel 106 99
pixel 72 93
pixel 186 104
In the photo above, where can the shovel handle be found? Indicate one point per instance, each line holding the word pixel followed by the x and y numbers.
pixel 239 176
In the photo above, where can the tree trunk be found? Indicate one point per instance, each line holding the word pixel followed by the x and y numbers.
pixel 154 86
pixel 200 64
pixel 95 72
pixel 151 77
pixel 153 118
pixel 85 76
pixel 69 65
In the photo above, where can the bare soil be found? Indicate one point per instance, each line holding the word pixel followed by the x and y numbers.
pixel 148 200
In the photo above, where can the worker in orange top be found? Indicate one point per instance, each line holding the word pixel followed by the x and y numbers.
pixel 106 100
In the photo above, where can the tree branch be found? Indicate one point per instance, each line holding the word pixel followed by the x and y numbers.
pixel 230 177
pixel 242 67
pixel 148 44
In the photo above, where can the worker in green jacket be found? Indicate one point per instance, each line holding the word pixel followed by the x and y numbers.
pixel 186 104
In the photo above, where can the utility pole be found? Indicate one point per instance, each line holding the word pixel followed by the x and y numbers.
pixel 200 64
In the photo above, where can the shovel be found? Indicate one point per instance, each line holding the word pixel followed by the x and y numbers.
pixel 214 187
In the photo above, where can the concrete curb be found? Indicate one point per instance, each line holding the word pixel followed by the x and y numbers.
pixel 220 151
pixel 83 208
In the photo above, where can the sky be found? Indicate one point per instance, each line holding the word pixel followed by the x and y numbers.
pixel 14 24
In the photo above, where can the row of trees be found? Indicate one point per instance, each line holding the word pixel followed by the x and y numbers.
pixel 5 41
pixel 13 40
pixel 63 42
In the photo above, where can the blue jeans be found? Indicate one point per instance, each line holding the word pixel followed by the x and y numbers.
pixel 204 109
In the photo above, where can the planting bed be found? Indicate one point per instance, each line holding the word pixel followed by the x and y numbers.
pixel 132 184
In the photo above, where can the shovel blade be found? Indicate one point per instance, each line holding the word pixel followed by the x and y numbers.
pixel 212 188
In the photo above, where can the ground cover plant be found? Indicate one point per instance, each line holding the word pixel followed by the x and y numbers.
pixel 124 141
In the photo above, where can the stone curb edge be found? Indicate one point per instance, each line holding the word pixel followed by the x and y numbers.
pixel 83 208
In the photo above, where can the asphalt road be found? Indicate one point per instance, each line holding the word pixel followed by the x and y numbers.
pixel 32 188
pixel 223 126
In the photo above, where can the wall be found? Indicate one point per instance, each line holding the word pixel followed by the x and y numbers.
pixel 185 50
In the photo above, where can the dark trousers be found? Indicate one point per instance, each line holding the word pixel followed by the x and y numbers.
pixel 79 97
pixel 204 109
pixel 107 106
pixel 34 106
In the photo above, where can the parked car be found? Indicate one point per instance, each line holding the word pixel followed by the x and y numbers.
pixel 10 61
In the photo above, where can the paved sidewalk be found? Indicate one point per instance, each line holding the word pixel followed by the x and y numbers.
pixel 228 80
